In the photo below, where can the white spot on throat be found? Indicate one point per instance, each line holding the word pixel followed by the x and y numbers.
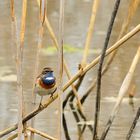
pixel 49 78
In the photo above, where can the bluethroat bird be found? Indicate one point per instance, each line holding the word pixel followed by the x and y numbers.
pixel 45 83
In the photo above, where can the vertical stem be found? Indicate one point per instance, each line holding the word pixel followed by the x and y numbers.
pixel 40 40
pixel 133 125
pixel 99 76
pixel 12 10
pixel 16 43
pixel 60 64
pixel 19 60
pixel 74 89
pixel 19 71
pixel 90 31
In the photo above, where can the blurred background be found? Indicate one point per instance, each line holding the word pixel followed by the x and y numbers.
pixel 77 16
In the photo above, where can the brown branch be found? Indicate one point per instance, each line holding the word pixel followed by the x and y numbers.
pixel 95 6
pixel 133 124
pixel 99 73
pixel 41 133
pixel 12 137
pixel 19 60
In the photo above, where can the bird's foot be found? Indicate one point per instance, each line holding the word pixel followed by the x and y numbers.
pixel 51 96
pixel 40 105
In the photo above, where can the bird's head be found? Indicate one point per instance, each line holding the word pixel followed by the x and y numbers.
pixel 47 70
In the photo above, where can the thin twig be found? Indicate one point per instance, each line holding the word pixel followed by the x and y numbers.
pixel 73 79
pixel 70 94
pixel 66 132
pixel 99 75
pixel 74 112
pixel 19 67
pixel 90 31
pixel 74 91
pixel 77 86
pixel 12 137
pixel 39 46
pixel 60 66
pixel 41 133
pixel 133 125
pixel 123 90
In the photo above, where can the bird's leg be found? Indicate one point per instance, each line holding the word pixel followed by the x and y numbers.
pixel 40 105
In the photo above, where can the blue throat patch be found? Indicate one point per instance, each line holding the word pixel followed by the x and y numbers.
pixel 48 79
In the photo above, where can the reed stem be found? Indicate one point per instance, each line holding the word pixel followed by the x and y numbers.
pixel 60 66
pixel 19 60
pixel 95 6
pixel 99 75
pixel 39 46
pixel 44 135
pixel 133 124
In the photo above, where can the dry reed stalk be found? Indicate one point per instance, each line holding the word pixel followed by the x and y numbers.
pixel 15 43
pixel 56 44
pixel 12 10
pixel 75 93
pixel 13 29
pixel 123 90
pixel 87 46
pixel 90 31
pixel 131 11
pixel 73 79
pixel 39 46
pixel 19 60
pixel 41 133
pixel 99 75
pixel 12 137
pixel 133 124
pixel 60 66
pixel 65 128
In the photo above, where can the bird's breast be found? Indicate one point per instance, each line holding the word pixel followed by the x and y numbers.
pixel 42 91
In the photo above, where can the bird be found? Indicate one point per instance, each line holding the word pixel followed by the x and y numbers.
pixel 45 84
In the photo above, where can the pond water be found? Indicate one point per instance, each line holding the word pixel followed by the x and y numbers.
pixel 77 14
